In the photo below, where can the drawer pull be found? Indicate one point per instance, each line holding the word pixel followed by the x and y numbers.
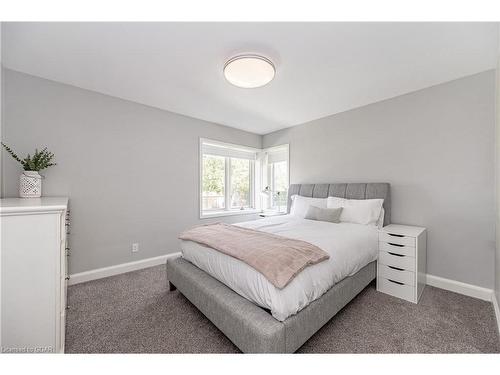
pixel 395 282
pixel 396 268
pixel 397 255
pixel 395 244
pixel 395 235
pixel 66 278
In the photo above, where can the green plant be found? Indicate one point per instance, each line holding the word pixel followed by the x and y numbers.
pixel 40 159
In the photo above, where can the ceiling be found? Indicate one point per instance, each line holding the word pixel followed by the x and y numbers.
pixel 321 68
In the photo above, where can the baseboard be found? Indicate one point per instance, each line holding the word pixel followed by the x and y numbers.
pixel 435 281
pixel 497 310
pixel 461 288
pixel 100 273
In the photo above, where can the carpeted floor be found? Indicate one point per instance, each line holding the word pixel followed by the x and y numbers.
pixel 135 312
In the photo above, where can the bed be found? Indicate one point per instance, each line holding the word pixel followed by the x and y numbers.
pixel 266 321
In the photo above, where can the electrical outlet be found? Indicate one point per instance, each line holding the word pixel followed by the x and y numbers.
pixel 135 247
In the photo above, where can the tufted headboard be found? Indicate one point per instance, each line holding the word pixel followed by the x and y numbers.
pixel 379 190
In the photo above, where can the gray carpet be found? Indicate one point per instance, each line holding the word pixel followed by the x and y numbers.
pixel 135 313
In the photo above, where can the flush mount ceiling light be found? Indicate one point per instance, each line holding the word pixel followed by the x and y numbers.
pixel 249 71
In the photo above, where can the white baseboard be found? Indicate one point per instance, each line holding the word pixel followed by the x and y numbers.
pixel 100 273
pixel 468 290
pixel 461 288
pixel 435 281
pixel 497 310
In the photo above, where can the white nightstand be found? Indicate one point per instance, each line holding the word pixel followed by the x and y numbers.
pixel 402 261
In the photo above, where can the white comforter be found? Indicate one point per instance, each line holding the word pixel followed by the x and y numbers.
pixel 351 247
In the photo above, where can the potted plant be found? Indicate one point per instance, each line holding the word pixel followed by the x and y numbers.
pixel 30 181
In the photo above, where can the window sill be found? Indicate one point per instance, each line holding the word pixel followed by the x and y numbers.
pixel 250 211
pixel 272 213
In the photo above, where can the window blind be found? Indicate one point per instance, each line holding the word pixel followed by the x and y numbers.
pixel 227 151
pixel 274 156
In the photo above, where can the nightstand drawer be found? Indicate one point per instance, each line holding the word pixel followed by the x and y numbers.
pixel 400 261
pixel 396 274
pixel 397 239
pixel 396 289
pixel 397 249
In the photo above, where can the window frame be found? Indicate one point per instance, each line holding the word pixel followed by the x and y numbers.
pixel 251 182
pixel 228 210
pixel 201 185
pixel 269 177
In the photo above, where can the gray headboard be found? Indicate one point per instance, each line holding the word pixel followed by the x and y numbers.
pixel 379 190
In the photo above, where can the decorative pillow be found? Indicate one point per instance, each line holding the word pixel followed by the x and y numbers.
pixel 331 215
pixel 301 204
pixel 359 211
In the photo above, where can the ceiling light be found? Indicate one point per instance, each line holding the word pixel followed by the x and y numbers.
pixel 249 71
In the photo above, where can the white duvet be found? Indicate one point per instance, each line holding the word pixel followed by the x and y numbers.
pixel 351 247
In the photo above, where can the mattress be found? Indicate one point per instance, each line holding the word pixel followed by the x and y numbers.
pixel 350 246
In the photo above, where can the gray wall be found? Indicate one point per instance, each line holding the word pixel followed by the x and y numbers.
pixel 497 175
pixel 1 104
pixel 131 171
pixel 436 148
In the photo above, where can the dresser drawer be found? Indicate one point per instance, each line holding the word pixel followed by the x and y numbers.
pixel 395 289
pixel 396 274
pixel 397 249
pixel 400 261
pixel 397 239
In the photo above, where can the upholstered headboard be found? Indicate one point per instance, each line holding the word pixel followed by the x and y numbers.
pixel 351 191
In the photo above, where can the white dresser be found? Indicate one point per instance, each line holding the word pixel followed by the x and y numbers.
pixel 33 274
pixel 402 261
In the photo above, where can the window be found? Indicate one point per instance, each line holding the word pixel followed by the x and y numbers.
pixel 276 179
pixel 214 181
pixel 239 180
pixel 227 178
pixel 278 172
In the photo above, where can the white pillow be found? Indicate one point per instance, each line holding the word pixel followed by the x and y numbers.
pixel 301 204
pixel 380 221
pixel 359 211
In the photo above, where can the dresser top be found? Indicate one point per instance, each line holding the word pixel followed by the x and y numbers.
pixel 406 230
pixel 13 205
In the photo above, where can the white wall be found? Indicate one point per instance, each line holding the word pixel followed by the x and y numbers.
pixel 131 171
pixel 436 148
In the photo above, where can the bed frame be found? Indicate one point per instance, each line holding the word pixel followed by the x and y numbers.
pixel 253 329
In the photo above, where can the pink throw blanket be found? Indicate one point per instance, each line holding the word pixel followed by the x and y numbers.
pixel 278 258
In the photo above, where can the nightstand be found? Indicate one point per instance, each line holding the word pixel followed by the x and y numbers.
pixel 271 213
pixel 402 261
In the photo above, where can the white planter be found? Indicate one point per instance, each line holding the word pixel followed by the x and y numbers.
pixel 30 185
